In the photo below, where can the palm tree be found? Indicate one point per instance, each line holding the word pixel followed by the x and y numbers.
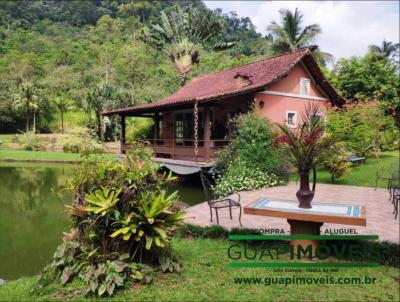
pixel 291 35
pixel 263 46
pixel 97 100
pixel 63 105
pixel 181 35
pixel 387 50
pixel 27 101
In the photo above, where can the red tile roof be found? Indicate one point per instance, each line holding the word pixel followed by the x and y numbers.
pixel 246 78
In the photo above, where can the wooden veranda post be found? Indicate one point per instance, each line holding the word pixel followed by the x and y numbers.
pixel 156 127
pixel 207 133
pixel 123 133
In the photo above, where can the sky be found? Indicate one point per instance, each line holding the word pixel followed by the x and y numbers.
pixel 348 27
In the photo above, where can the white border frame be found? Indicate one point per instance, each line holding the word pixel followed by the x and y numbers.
pixel 293 95
pixel 294 118
pixel 309 86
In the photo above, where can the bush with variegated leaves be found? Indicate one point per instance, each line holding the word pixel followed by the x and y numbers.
pixel 122 224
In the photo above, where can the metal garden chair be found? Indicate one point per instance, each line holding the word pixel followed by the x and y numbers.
pixel 396 199
pixel 394 186
pixel 216 203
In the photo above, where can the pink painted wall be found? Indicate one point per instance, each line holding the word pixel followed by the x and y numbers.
pixel 291 83
pixel 276 106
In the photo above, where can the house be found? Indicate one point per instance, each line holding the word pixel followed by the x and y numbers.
pixel 193 123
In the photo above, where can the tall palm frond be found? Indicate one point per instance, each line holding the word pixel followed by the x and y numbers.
pixel 290 35
pixel 63 105
pixel 386 50
pixel 307 144
pixel 27 101
pixel 181 34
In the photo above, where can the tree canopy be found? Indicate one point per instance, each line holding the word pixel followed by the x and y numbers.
pixel 68 49
pixel 367 78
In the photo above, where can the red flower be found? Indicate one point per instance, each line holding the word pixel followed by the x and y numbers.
pixel 283 139
pixel 313 136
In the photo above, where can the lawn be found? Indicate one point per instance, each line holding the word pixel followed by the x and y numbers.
pixel 71 119
pixel 364 174
pixel 6 139
pixel 47 155
pixel 206 277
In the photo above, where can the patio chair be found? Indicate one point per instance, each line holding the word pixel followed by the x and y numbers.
pixel 215 203
pixel 396 199
pixel 394 186
pixel 385 176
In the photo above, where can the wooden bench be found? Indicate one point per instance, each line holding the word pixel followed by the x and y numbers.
pixel 356 159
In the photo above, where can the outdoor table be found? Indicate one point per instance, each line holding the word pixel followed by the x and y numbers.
pixel 308 221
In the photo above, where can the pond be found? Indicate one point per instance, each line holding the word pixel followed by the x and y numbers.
pixel 32 216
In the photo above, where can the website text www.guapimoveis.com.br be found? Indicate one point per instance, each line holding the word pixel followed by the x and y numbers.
pixel 267 281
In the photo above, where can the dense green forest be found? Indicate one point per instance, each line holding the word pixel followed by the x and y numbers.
pixel 57 56
pixel 67 48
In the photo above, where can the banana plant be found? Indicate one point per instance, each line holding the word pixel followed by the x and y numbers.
pixel 102 200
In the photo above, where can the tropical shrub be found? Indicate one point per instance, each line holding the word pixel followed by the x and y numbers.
pixel 139 128
pixel 360 78
pixel 251 160
pixel 73 259
pixel 240 176
pixel 253 143
pixel 30 141
pixel 363 127
pixel 122 224
pixel 81 140
pixel 337 163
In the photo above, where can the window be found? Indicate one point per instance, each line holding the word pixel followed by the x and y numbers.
pixel 304 86
pixel 291 119
pixel 184 128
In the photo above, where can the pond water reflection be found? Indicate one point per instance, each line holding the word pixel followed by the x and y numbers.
pixel 32 215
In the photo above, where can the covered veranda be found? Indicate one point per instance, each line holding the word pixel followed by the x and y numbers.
pixel 191 132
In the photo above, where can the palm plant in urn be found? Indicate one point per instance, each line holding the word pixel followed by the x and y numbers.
pixel 307 146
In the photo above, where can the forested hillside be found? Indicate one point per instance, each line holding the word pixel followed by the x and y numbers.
pixel 65 49
pixel 91 55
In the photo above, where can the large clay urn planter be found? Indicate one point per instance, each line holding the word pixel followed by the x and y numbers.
pixel 304 194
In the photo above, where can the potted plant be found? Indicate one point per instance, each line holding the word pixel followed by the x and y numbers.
pixel 307 147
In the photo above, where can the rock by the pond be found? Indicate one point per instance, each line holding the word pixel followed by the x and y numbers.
pixel 2 281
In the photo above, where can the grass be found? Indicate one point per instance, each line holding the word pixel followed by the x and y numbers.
pixel 47 155
pixel 6 139
pixel 206 277
pixel 71 119
pixel 364 175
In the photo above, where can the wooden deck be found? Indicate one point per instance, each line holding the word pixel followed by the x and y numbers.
pixel 169 149
pixel 183 167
